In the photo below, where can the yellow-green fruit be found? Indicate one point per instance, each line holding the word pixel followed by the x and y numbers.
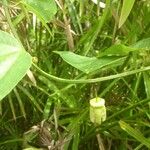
pixel 35 60
pixel 97 110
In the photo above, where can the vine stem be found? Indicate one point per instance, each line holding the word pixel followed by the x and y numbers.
pixel 120 75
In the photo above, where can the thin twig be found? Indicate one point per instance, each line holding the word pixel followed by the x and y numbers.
pixel 100 142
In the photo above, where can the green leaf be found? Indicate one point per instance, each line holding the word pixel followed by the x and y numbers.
pixel 117 50
pixel 76 139
pixel 14 63
pixel 142 44
pixel 134 133
pixel 44 9
pixel 122 50
pixel 87 64
pixel 125 11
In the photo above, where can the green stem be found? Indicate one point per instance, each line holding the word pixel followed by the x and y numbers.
pixel 124 74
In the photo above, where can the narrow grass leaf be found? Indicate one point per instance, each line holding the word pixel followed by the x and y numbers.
pixel 147 83
pixel 18 19
pixel 20 102
pixel 125 11
pixel 74 16
pixel 12 106
pixel 88 39
pixel 31 98
pixel 134 133
pixel 76 138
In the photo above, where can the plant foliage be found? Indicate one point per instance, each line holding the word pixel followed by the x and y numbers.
pixel 81 50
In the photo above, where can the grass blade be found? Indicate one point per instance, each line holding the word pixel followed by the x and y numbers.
pixel 125 11
pixel 20 103
pixel 134 133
